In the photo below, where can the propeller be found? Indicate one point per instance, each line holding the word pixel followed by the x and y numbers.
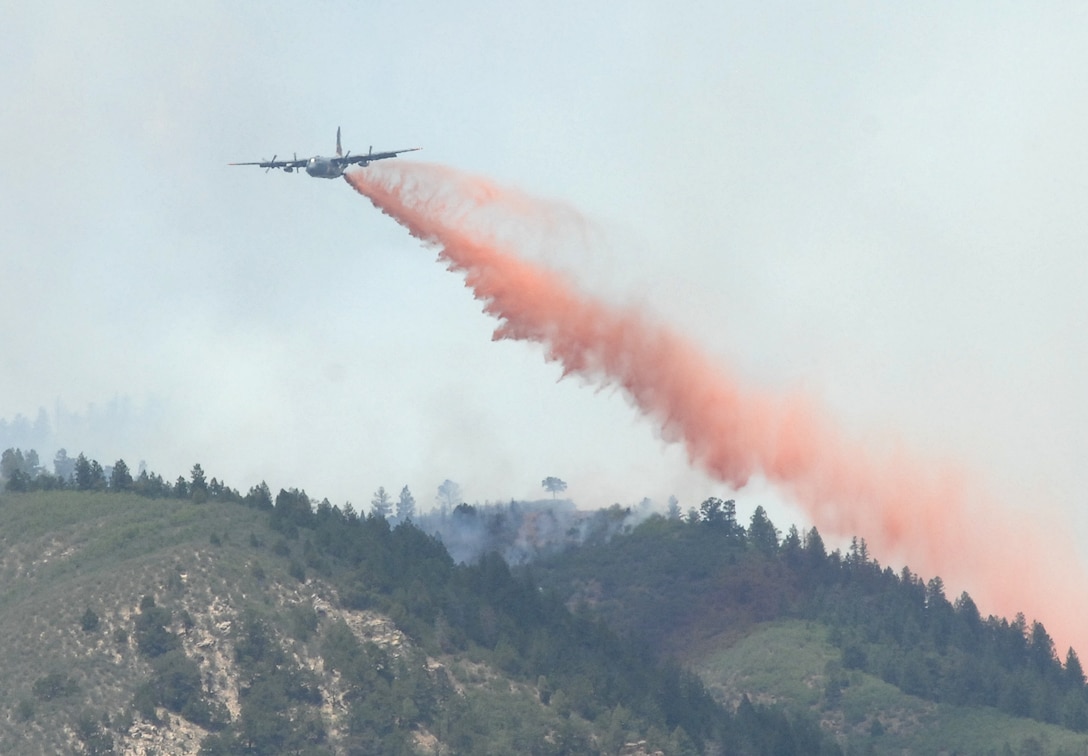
pixel 269 167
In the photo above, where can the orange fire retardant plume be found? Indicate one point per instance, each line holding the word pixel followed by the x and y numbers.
pixel 905 506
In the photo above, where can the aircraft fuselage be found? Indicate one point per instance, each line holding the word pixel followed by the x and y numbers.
pixel 322 167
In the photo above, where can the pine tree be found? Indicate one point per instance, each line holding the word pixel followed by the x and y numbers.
pixel 406 505
pixel 381 505
pixel 120 478
pixel 762 533
pixel 98 476
pixel 83 474
pixel 199 486
pixel 1074 673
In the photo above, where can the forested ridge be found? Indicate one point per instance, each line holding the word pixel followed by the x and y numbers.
pixel 572 684
pixel 594 628
pixel 677 582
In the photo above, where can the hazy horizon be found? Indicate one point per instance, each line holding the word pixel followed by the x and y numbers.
pixel 879 208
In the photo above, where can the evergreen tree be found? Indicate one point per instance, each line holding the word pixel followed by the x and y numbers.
pixel 259 497
pixel 762 533
pixel 791 548
pixel 406 505
pixel 1074 673
pixel 381 505
pixel 198 488
pixel 291 510
pixel 350 515
pixel 814 552
pixel 83 473
pixel 1041 650
pixel 719 514
pixel 98 476
pixel 120 477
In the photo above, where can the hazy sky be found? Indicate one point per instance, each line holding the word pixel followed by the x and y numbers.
pixel 880 207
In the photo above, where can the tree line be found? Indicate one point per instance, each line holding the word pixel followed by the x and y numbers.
pixel 588 678
pixel 671 574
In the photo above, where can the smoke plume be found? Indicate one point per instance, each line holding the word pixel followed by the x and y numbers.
pixel 930 515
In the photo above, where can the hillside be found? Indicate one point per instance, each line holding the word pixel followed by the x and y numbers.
pixel 885 661
pixel 187 618
pixel 226 624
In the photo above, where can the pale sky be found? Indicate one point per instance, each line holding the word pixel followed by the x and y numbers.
pixel 879 206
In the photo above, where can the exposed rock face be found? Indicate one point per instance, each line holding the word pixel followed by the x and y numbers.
pixel 211 643
pixel 174 736
pixel 638 749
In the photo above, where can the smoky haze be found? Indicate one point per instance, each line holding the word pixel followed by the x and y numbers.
pixel 906 503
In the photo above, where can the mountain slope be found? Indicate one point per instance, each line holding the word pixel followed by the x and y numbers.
pixel 139 625
pixel 792 661
pixel 885 661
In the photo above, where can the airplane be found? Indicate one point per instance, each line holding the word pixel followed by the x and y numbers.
pixel 328 167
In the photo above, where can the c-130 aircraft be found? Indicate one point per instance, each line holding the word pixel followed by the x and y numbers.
pixel 328 167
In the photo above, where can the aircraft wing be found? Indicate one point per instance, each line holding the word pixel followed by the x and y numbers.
pixel 273 163
pixel 370 157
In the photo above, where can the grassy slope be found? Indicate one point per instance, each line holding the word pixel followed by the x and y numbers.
pixel 791 662
pixel 61 553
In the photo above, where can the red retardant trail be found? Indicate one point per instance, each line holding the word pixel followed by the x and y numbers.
pixel 905 506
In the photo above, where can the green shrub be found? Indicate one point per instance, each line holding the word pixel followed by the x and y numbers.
pixel 297 571
pixel 24 710
pixel 54 685
pixel 89 621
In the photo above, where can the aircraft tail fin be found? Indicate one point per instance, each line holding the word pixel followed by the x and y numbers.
pixel 338 151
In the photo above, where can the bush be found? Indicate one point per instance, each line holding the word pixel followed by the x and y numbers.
pixel 123 722
pixel 54 685
pixel 89 621
pixel 176 685
pixel 144 702
pixel 302 622
pixel 95 739
pixel 152 637
pixel 24 710
pixel 297 571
